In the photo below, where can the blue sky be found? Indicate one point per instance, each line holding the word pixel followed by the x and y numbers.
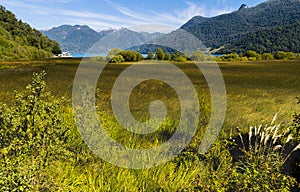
pixel 103 14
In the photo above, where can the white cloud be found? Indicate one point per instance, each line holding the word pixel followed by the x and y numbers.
pixel 135 19
pixel 176 18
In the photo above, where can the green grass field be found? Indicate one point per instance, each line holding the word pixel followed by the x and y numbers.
pixel 256 91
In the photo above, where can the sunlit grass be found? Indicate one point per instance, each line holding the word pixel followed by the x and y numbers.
pixel 255 90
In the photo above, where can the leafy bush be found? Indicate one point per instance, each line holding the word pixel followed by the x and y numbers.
pixel 280 55
pixel 267 56
pixel 131 56
pixel 160 55
pixel 150 55
pixel 117 59
pixel 33 134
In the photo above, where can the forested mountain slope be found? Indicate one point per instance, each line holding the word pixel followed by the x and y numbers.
pixel 19 40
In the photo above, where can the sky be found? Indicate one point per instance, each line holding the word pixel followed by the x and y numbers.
pixel 139 15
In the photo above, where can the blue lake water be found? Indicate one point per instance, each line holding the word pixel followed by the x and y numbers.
pixel 82 55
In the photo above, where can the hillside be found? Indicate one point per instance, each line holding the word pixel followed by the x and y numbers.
pixel 123 39
pixel 286 38
pixel 20 41
pixel 75 39
pixel 242 24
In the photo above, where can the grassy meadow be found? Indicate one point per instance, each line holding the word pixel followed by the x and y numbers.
pixel 256 91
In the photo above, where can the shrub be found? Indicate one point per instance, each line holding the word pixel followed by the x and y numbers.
pixel 198 56
pixel 160 55
pixel 291 56
pixel 252 58
pixel 150 55
pixel 167 56
pixel 33 134
pixel 244 59
pixel 267 56
pixel 117 59
pixel 280 55
pixel 180 59
pixel 131 56
pixel 250 53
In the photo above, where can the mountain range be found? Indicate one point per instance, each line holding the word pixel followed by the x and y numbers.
pixel 273 25
pixel 75 39
pixel 81 38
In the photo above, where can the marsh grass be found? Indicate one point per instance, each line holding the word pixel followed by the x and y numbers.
pixel 256 91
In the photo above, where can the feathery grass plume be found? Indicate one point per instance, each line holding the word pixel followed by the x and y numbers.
pixel 274 119
pixel 270 141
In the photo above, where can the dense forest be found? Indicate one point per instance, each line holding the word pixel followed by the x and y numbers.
pixel 19 40
pixel 286 38
pixel 265 28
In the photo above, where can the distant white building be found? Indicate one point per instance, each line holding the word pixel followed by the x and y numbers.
pixel 64 54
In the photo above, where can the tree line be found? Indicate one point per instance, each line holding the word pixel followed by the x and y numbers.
pixel 117 55
pixel 251 55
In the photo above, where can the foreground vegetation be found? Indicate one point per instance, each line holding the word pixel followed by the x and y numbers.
pixel 41 149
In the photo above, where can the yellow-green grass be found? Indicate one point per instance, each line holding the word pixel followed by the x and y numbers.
pixel 255 90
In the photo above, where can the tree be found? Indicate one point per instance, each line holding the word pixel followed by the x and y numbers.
pixel 150 55
pixel 117 59
pixel 251 53
pixel 113 52
pixel 291 55
pixel 56 48
pixel 131 56
pixel 167 56
pixel 280 55
pixel 267 56
pixel 198 56
pixel 160 54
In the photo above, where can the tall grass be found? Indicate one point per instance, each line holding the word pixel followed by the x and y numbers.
pixel 74 168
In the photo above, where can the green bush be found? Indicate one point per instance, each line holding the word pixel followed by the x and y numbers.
pixel 267 56
pixel 167 56
pixel 160 55
pixel 280 55
pixel 250 53
pixel 150 55
pixel 33 134
pixel 117 59
pixel 131 56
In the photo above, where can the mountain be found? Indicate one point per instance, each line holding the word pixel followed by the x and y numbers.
pixel 75 39
pixel 19 40
pixel 178 40
pixel 79 39
pixel 123 39
pixel 286 38
pixel 228 29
